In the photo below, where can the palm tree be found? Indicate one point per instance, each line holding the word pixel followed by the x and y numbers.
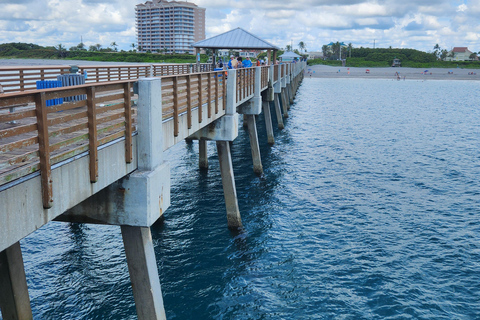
pixel 473 56
pixel 133 46
pixel 61 50
pixel 302 45
pixel 114 45
pixel 437 50
pixel 98 46
pixel 325 51
pixel 288 47
pixel 350 47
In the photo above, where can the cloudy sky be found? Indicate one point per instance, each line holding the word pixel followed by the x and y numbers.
pixel 418 24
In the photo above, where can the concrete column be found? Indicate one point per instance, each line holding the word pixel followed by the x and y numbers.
pixel 278 112
pixel 234 220
pixel 203 156
pixel 245 124
pixel 231 107
pixel 290 94
pixel 252 133
pixel 268 122
pixel 143 272
pixel 14 299
pixel 284 103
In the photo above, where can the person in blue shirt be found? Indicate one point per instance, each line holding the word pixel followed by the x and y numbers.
pixel 247 63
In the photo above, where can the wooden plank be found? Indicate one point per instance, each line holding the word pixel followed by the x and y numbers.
pixel 189 102
pixel 18 144
pixel 43 142
pixel 66 106
pixel 175 108
pixel 67 117
pixel 128 123
pixel 209 100
pixel 92 134
pixel 6 133
pixel 217 78
pixel 17 115
pixel 200 98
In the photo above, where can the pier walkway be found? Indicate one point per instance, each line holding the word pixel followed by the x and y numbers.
pixel 97 157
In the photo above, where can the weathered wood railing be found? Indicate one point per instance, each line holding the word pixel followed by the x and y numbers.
pixel 245 83
pixel 275 72
pixel 114 73
pixel 182 93
pixel 34 137
pixel 159 70
pixel 21 79
pixel 43 136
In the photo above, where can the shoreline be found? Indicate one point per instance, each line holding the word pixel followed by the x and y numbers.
pixel 323 71
pixel 315 71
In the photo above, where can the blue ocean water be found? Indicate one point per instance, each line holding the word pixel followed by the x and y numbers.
pixel 368 209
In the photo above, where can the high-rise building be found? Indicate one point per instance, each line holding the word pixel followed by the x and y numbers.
pixel 169 26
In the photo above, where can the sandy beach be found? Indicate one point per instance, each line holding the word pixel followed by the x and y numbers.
pixel 317 71
pixel 321 71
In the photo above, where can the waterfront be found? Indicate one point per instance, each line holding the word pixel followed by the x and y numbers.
pixel 368 209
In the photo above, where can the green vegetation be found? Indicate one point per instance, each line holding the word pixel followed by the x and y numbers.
pixel 95 53
pixel 383 57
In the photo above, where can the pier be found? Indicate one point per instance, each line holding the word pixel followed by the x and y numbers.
pixel 99 158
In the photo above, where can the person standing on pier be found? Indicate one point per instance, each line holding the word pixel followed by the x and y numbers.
pixel 232 64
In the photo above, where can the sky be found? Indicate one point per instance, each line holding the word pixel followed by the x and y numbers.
pixel 417 24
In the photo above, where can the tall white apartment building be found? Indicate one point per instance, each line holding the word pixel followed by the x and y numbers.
pixel 169 26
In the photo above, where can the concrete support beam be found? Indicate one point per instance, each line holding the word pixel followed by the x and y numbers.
pixel 203 156
pixel 252 133
pixel 139 199
pixel 234 220
pixel 14 299
pixel 268 122
pixel 143 273
pixel 278 112
pixel 284 104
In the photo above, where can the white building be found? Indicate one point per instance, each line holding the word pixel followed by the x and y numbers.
pixel 459 54
pixel 169 26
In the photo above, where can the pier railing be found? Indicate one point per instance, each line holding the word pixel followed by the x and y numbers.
pixel 43 136
pixel 245 83
pixel 14 79
pixel 113 73
pixel 183 93
pixel 34 137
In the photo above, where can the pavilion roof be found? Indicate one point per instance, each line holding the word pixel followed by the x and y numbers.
pixel 235 39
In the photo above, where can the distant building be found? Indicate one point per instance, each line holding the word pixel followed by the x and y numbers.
pixel 169 26
pixel 459 54
pixel 315 55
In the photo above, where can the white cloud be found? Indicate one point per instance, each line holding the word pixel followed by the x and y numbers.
pixel 406 23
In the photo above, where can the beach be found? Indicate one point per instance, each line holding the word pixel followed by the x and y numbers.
pixel 316 71
pixel 322 71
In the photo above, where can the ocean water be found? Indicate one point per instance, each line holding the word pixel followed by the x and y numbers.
pixel 368 209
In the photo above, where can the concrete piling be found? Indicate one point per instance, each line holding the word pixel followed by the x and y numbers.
pixel 268 122
pixel 278 112
pixel 203 156
pixel 252 133
pixel 14 299
pixel 143 272
pixel 234 220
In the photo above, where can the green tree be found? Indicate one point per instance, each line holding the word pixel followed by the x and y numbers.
pixel 114 45
pixel 98 47
pixel 473 56
pixel 326 51
pixel 288 47
pixel 350 47
pixel 302 45
pixel 133 46
pixel 61 50
pixel 437 51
